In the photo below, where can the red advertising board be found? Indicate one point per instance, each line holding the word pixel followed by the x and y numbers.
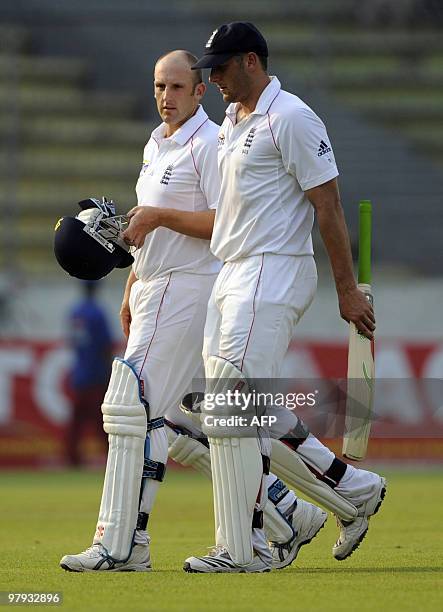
pixel 35 402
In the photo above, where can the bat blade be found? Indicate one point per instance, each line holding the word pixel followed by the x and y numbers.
pixel 360 397
pixel 360 393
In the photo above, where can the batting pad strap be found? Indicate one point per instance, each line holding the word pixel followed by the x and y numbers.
pixel 277 491
pixel 180 430
pixel 155 424
pixel 288 466
pixel 257 519
pixel 293 443
pixel 335 472
pixel 142 520
pixel 154 470
pixel 266 464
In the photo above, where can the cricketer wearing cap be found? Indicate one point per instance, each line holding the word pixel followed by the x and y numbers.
pixel 277 166
pixel 163 314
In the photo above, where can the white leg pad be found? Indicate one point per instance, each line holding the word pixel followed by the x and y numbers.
pixel 289 467
pixel 277 528
pixel 190 452
pixel 237 470
pixel 236 458
pixel 125 422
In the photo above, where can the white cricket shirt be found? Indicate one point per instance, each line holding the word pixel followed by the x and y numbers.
pixel 267 161
pixel 178 172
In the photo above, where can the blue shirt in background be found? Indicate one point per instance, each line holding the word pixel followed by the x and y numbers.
pixel 91 341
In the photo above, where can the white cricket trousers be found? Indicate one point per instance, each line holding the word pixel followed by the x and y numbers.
pixel 164 347
pixel 254 307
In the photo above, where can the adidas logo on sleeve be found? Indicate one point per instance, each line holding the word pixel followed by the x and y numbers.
pixel 323 148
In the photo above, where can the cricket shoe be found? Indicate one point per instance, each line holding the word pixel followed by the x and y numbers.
pixel 352 532
pixel 306 521
pixel 219 562
pixel 96 559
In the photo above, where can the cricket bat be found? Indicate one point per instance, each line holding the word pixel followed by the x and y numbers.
pixel 360 392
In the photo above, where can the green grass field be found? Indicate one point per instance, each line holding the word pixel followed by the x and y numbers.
pixel 398 566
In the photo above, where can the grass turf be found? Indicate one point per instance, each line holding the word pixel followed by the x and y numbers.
pixel 397 567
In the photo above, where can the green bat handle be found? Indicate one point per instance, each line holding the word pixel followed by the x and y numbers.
pixel 364 242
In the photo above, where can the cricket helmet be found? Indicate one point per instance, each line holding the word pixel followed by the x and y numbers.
pixel 90 246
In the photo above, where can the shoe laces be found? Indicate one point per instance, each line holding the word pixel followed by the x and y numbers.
pixel 215 551
pixel 94 550
pixel 342 523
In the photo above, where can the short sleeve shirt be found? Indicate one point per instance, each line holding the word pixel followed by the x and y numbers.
pixel 178 172
pixel 267 161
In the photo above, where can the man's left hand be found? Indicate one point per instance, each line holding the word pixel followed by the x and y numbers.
pixel 142 221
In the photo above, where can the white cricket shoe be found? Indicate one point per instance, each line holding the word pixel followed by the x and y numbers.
pixel 306 521
pixel 352 532
pixel 96 559
pixel 218 561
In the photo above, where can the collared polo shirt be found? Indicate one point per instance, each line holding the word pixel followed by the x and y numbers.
pixel 267 161
pixel 178 172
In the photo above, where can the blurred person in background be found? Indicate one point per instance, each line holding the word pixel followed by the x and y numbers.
pixel 90 340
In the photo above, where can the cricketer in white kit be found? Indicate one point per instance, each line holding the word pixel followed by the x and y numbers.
pixel 163 314
pixel 276 165
pixel 163 311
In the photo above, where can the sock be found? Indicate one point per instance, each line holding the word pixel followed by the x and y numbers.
pixel 316 454
pixel 350 482
pixel 141 537
pixel 357 485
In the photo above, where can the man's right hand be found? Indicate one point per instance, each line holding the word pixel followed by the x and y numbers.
pixel 355 307
pixel 142 221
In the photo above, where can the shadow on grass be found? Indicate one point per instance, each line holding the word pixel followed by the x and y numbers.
pixel 368 570
pixel 311 570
